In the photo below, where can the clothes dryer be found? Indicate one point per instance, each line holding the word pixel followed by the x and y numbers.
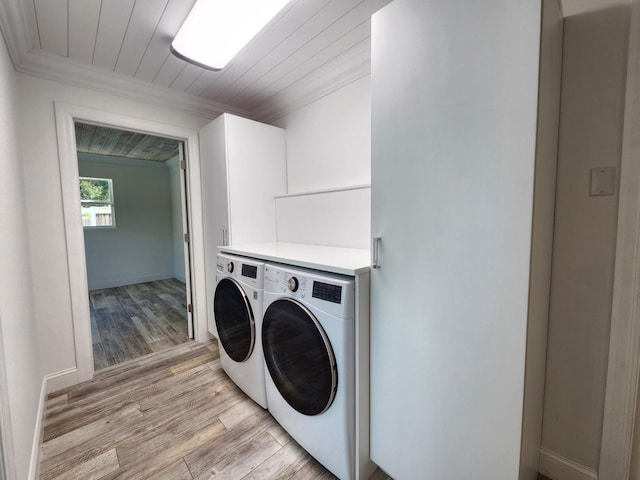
pixel 237 306
pixel 308 340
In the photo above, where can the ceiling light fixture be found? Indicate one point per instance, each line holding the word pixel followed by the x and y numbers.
pixel 216 30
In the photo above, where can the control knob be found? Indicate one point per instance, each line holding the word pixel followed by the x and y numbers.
pixel 293 284
pixel 230 267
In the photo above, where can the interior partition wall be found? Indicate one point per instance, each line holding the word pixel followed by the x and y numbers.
pixel 139 247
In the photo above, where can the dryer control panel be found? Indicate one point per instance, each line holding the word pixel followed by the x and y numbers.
pixel 332 294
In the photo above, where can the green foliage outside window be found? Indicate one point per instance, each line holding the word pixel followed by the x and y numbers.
pixel 96 199
pixel 94 189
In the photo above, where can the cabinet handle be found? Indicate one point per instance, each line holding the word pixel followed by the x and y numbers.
pixel 225 237
pixel 375 252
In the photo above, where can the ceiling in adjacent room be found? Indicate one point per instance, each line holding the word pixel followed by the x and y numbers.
pixel 98 140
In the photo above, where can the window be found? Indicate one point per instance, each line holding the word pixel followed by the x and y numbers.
pixel 96 199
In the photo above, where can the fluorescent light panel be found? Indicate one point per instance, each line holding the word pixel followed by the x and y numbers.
pixel 216 30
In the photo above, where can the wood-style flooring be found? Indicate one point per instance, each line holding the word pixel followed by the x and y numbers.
pixel 170 415
pixel 135 320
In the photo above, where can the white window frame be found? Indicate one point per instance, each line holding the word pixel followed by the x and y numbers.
pixel 109 202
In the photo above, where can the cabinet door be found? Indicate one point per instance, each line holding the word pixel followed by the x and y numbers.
pixel 256 172
pixel 243 166
pixel 213 171
pixel 454 91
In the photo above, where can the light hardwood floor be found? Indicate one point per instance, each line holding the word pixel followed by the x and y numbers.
pixel 169 415
pixel 135 320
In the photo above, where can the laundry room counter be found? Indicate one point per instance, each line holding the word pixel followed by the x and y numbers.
pixel 345 261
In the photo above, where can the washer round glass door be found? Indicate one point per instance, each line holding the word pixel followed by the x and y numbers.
pixel 234 320
pixel 299 357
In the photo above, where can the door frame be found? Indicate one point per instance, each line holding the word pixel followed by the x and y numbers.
pixel 66 115
pixel 623 370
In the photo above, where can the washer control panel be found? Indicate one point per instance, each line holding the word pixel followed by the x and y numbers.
pixel 244 270
pixel 293 284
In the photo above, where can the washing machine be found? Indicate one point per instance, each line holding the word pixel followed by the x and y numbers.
pixel 237 307
pixel 308 339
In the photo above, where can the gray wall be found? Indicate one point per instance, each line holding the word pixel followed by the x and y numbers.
pixel 20 374
pixel 140 248
pixel 593 86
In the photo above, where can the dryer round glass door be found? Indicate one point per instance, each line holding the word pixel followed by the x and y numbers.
pixel 234 320
pixel 299 357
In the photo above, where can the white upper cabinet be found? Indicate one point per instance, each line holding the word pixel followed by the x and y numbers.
pixel 454 109
pixel 243 166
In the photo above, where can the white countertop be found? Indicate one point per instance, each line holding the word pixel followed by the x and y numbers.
pixel 345 261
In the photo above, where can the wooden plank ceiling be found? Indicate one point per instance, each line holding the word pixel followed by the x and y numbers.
pixel 132 38
pixel 99 140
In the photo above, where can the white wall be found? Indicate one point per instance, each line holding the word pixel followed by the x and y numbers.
pixel 20 375
pixel 328 147
pixel 51 293
pixel 140 247
pixel 340 218
pixel 175 178
pixel 329 140
pixel 593 86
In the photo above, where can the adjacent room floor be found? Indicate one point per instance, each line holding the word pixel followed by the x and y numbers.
pixel 169 415
pixel 134 320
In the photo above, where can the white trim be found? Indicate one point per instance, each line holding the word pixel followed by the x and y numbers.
pixel 53 67
pixel 66 114
pixel 624 341
pixel 364 465
pixel 38 434
pixel 325 190
pixel 560 468
pixel 62 379
pixel 14 30
pixel 5 418
pixel 196 245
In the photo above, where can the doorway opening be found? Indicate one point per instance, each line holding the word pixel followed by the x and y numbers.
pixel 135 224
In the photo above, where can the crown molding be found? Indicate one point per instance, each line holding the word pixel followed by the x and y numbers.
pixel 53 67
pixel 22 44
pixel 27 58
pixel 15 30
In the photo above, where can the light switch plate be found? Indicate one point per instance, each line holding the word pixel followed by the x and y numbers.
pixel 603 181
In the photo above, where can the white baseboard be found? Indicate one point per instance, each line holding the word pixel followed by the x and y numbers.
pixel 62 379
pixel 557 467
pixel 38 434
pixel 128 281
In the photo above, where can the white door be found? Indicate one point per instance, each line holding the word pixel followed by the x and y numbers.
pixel 187 233
pixel 454 105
